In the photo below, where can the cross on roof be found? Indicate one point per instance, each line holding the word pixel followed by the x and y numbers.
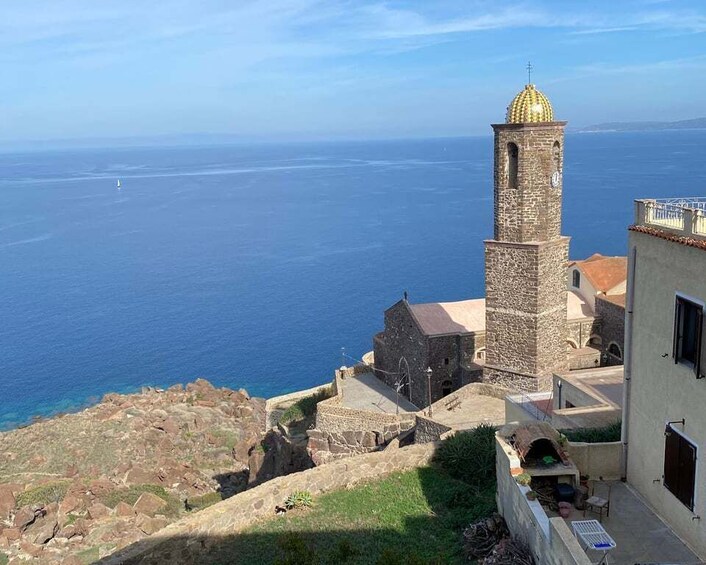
pixel 529 72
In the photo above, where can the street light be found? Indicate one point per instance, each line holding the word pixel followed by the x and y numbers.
pixel 428 372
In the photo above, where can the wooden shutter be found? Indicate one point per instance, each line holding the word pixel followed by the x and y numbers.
pixel 671 459
pixel 687 472
pixel 678 314
pixel 701 353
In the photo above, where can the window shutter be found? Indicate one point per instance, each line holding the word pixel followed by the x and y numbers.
pixel 678 307
pixel 701 354
pixel 671 459
pixel 687 472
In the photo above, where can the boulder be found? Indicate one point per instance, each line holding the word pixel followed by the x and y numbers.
pixel 23 518
pixel 97 510
pixel 149 504
pixel 149 525
pixel 69 504
pixel 31 549
pixel 43 530
pixel 12 534
pixel 124 510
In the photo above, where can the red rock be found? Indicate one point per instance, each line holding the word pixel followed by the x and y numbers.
pixel 24 517
pixel 124 509
pixel 67 532
pixel 7 500
pixel 139 476
pixel 69 504
pixel 12 534
pixel 97 511
pixel 41 532
pixel 71 470
pixel 149 525
pixel 30 548
pixel 149 504
pixel 101 487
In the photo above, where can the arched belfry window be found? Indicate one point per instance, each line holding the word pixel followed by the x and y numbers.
pixel 512 152
pixel 556 155
pixel 576 279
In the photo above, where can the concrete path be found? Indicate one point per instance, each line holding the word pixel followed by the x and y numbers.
pixel 640 536
pixel 367 392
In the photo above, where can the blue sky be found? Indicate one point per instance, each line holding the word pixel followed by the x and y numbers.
pixel 302 69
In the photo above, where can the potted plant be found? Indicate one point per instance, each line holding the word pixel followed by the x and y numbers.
pixel 531 495
pixel 524 479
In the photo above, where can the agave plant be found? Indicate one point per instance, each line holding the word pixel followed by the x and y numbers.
pixel 299 499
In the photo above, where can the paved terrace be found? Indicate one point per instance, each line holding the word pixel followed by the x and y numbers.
pixel 464 411
pixel 367 392
pixel 640 536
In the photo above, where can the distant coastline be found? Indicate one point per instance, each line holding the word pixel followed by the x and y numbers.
pixel 692 124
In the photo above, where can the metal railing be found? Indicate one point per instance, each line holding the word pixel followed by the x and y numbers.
pixel 687 216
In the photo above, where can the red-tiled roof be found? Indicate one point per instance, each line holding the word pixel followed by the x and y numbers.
pixel 618 299
pixel 604 273
pixel 689 241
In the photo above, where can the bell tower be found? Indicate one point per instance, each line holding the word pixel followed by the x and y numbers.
pixel 525 262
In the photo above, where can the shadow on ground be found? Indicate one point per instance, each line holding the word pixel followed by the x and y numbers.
pixel 406 518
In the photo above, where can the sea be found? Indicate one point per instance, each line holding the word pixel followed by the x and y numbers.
pixel 265 266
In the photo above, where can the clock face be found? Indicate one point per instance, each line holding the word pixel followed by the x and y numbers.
pixel 556 179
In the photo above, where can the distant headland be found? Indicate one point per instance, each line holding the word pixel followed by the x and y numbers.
pixel 694 123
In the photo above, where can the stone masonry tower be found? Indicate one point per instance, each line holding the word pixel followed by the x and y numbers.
pixel 525 262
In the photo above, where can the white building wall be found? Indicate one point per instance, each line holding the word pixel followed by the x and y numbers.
pixel 661 390
pixel 585 290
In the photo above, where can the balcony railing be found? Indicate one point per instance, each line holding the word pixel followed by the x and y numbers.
pixel 685 216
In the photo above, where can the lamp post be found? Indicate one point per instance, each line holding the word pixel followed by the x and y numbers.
pixel 558 386
pixel 429 372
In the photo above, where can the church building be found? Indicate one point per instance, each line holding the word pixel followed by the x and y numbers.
pixel 533 321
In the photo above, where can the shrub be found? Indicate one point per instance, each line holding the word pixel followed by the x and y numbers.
pixel 304 407
pixel 470 456
pixel 200 502
pixel 524 479
pixel 130 495
pixel 43 494
pixel 299 499
pixel 608 433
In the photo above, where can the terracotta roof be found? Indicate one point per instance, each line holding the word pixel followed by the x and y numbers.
pixel 438 318
pixel 618 299
pixel 526 434
pixel 604 273
pixel 689 241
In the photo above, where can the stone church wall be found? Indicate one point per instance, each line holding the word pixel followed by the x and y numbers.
pixel 613 328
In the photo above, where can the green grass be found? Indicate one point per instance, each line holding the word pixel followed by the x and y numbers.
pixel 200 502
pixel 304 407
pixel 90 555
pixel 3 558
pixel 130 495
pixel 407 518
pixel 608 433
pixel 43 494
pixel 226 438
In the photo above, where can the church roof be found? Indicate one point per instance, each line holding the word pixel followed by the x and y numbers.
pixel 438 318
pixel 468 316
pixel 604 273
pixel 529 106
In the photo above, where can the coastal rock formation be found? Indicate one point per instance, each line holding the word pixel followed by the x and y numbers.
pixel 79 486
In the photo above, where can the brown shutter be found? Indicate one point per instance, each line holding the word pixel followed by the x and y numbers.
pixel 678 308
pixel 671 459
pixel 687 472
pixel 701 353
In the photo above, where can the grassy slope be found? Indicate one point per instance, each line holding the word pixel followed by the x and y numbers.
pixel 414 517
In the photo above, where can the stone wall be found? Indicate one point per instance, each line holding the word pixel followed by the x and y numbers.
pixel 580 331
pixel 183 541
pixel 450 357
pixel 613 330
pixel 275 407
pixel 427 430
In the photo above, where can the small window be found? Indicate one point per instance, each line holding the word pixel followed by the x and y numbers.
pixel 512 152
pixel 576 280
pixel 446 361
pixel 614 350
pixel 480 354
pixel 447 388
pixel 679 466
pixel 688 323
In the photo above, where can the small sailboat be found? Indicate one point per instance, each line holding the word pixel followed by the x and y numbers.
pixel 119 185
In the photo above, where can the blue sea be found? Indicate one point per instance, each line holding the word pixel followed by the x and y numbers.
pixel 254 265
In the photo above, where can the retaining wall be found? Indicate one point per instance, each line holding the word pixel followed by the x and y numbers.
pixel 183 541
pixel 597 459
pixel 549 539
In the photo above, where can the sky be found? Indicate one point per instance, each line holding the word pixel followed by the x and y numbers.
pixel 308 69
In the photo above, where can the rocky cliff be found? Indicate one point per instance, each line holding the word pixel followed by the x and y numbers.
pixel 77 487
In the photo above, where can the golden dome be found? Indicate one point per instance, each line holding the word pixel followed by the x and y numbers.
pixel 529 106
